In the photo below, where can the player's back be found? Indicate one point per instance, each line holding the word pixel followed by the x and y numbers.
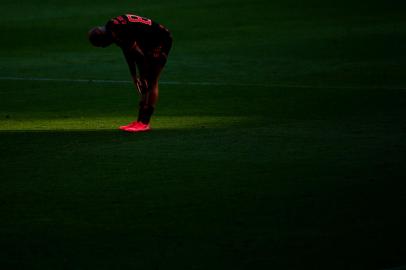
pixel 129 28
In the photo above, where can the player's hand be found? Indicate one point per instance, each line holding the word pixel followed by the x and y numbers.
pixel 136 49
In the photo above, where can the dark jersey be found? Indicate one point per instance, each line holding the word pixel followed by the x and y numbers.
pixel 129 28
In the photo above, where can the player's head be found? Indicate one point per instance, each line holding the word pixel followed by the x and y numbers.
pixel 99 37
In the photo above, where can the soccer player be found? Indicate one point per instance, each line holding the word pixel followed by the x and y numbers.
pixel 146 45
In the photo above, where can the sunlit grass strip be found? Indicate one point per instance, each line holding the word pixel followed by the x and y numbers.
pixel 108 123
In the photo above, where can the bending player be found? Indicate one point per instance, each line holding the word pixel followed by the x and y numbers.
pixel 146 45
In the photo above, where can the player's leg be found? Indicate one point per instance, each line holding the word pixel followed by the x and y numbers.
pixel 150 68
pixel 155 63
pixel 157 59
pixel 147 85
pixel 153 78
pixel 139 60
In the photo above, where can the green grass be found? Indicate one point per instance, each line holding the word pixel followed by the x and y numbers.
pixel 294 161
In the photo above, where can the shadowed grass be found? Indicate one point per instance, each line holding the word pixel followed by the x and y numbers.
pixel 232 176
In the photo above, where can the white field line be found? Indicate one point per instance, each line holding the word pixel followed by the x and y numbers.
pixel 203 83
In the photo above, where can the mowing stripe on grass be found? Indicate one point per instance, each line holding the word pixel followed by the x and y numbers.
pixel 403 267
pixel 384 87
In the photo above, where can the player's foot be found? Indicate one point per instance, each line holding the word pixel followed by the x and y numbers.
pixel 137 127
pixel 129 125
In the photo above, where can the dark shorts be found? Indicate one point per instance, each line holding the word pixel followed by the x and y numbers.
pixel 159 53
pixel 155 58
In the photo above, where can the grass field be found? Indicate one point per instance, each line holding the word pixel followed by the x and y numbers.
pixel 278 142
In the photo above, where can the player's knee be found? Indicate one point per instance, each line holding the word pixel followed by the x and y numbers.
pixel 142 85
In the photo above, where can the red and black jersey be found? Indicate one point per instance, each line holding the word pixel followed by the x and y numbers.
pixel 129 28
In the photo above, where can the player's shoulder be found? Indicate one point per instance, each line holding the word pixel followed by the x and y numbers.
pixel 118 24
pixel 118 20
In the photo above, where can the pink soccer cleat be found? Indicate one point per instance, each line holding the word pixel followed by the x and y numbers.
pixel 129 125
pixel 136 127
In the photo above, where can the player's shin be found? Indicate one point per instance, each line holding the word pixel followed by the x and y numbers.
pixel 145 112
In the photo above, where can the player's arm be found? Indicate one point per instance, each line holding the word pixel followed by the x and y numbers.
pixel 131 55
pixel 130 59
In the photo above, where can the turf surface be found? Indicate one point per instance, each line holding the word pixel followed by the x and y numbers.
pixel 278 142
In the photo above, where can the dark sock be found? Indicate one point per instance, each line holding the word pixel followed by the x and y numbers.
pixel 144 113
